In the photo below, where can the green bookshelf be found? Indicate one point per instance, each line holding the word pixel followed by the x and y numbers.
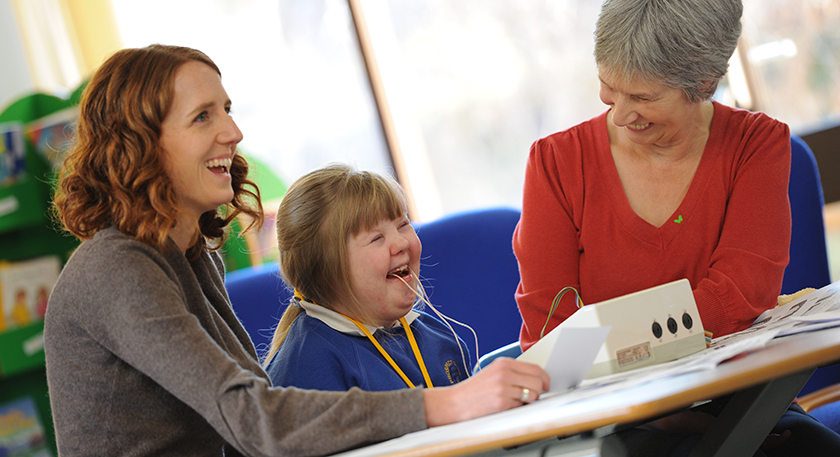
pixel 26 232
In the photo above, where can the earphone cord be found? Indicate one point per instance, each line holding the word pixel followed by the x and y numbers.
pixel 446 319
pixel 556 302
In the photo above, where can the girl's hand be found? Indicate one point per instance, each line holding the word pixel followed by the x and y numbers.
pixel 503 385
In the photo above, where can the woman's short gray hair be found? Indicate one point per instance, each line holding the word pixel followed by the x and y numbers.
pixel 684 44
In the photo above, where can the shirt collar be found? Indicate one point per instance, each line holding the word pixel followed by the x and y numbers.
pixel 340 323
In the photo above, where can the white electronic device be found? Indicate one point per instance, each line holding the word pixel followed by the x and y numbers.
pixel 651 326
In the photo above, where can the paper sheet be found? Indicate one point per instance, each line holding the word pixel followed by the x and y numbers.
pixel 827 316
pixel 570 358
pixel 805 314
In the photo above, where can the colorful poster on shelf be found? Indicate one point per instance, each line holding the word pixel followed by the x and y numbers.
pixel 12 153
pixel 51 135
pixel 21 430
pixel 24 289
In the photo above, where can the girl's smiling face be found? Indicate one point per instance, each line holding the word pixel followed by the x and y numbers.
pixel 380 259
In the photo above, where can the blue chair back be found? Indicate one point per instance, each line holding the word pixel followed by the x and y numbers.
pixel 470 274
pixel 258 296
pixel 808 265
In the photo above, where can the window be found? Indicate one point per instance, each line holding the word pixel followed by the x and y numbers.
pixel 292 69
pixel 482 79
pixel 793 50
pixel 467 84
pixel 479 81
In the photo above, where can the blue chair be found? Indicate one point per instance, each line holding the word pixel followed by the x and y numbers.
pixel 512 350
pixel 823 404
pixel 258 296
pixel 470 274
pixel 808 267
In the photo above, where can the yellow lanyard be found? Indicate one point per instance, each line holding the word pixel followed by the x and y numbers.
pixel 414 348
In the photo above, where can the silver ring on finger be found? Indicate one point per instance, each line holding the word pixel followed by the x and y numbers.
pixel 525 394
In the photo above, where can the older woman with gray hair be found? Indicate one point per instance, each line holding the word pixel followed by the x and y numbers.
pixel 665 184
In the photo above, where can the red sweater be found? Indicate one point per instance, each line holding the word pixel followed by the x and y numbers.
pixel 730 236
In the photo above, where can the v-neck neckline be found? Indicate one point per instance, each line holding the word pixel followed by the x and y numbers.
pixel 662 236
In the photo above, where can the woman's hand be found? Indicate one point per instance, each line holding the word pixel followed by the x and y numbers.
pixel 503 385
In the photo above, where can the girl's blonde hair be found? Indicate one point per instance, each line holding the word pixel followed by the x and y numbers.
pixel 317 216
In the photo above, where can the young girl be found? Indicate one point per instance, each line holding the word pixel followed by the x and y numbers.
pixel 347 248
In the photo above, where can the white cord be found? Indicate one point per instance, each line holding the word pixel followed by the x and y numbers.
pixel 446 319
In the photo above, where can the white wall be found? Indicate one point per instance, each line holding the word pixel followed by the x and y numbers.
pixel 15 78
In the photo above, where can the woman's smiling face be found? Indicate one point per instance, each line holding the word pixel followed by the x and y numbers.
pixel 199 139
pixel 649 113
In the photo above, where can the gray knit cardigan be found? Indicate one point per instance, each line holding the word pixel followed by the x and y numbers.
pixel 145 357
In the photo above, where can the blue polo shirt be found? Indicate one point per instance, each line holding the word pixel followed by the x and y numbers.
pixel 325 351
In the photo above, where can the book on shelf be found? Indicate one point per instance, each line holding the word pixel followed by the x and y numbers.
pixel 12 153
pixel 25 287
pixel 21 430
pixel 52 135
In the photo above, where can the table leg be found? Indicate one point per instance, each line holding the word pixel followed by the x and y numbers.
pixel 749 416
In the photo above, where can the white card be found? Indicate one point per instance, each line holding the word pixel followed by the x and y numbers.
pixel 569 359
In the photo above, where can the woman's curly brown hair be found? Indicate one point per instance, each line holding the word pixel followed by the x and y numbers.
pixel 114 175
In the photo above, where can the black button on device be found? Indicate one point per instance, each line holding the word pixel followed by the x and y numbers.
pixel 672 325
pixel 657 330
pixel 687 321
